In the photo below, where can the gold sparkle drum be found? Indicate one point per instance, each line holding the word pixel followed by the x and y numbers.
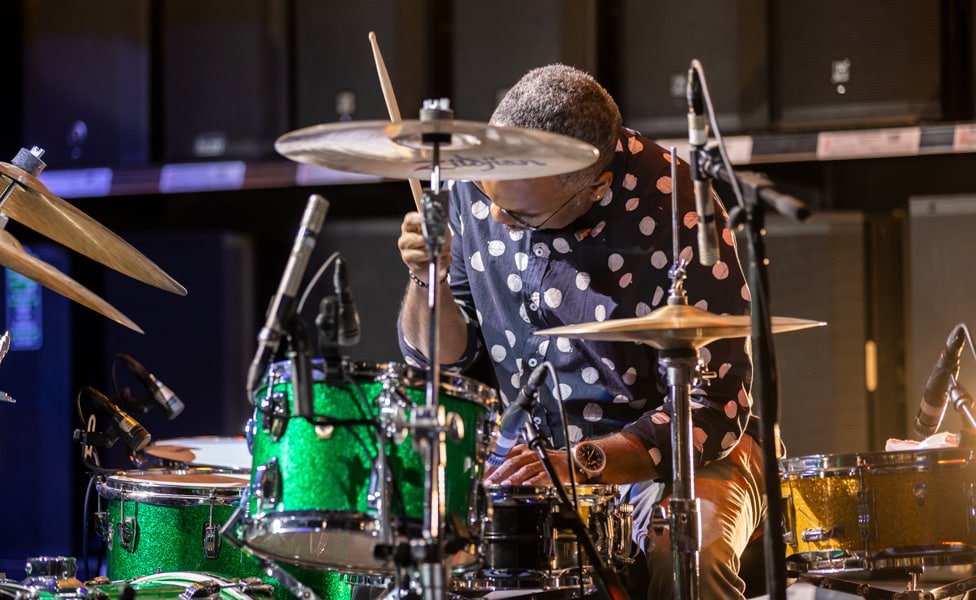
pixel 877 510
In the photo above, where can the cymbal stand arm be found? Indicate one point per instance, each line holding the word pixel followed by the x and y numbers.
pixel 28 160
pixel 961 401
pixel 684 514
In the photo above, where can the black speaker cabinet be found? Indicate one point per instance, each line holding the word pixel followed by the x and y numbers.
pixel 660 39
pixel 86 74
pixel 199 345
pixel 224 77
pixel 866 63
pixel 493 48
pixel 335 72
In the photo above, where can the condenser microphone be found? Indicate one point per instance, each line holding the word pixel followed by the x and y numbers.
pixel 283 304
pixel 135 435
pixel 697 138
pixel 160 392
pixel 515 416
pixel 932 408
pixel 347 319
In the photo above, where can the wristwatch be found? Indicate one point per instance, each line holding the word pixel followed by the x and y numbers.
pixel 590 461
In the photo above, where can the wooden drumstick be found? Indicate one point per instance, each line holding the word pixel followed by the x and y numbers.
pixel 393 109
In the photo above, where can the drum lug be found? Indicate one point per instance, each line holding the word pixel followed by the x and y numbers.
pixel 268 484
pixel 127 533
pixel 102 527
pixel 211 533
pixel 625 550
pixel 789 521
pixel 393 421
pixel 866 521
pixel 274 407
pixel 127 529
pixel 971 516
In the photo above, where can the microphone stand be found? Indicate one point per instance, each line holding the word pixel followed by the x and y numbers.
pixel 611 586
pixel 750 214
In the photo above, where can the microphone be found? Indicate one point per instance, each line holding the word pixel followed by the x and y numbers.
pixel 347 320
pixel 933 405
pixel 515 416
pixel 162 395
pixel 135 435
pixel 697 138
pixel 282 307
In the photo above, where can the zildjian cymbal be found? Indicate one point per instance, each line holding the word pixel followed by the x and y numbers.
pixel 32 204
pixel 473 150
pixel 674 327
pixel 16 258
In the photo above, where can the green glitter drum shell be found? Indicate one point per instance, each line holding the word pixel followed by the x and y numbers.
pixel 315 498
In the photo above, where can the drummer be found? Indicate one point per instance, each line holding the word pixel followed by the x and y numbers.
pixel 589 246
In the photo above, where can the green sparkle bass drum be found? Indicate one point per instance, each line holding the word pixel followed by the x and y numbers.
pixel 317 497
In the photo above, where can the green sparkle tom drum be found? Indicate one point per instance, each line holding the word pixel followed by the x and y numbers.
pixel 317 493
pixel 169 520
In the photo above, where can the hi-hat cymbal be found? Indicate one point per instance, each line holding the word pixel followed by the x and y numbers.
pixel 674 327
pixel 32 204
pixel 14 257
pixel 476 150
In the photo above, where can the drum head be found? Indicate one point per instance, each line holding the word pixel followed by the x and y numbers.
pixel 214 452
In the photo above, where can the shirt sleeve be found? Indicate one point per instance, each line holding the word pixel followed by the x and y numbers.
pixel 460 290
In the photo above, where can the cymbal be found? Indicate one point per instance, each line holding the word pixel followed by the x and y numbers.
pixel 675 326
pixel 32 204
pixel 476 150
pixel 14 257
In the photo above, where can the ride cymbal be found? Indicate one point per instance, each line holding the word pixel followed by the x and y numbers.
pixel 477 151
pixel 673 327
pixel 32 204
pixel 14 257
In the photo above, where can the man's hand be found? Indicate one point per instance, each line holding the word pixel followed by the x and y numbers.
pixel 524 467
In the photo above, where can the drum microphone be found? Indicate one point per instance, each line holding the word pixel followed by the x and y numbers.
pixel 515 416
pixel 932 408
pixel 135 435
pixel 697 138
pixel 282 308
pixel 347 320
pixel 161 394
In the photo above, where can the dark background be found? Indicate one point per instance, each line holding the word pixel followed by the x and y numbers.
pixel 146 88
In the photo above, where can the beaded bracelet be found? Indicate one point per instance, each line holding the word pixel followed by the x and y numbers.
pixel 420 281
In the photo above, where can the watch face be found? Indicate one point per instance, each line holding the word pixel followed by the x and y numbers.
pixel 590 457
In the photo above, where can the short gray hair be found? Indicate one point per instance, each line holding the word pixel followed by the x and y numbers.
pixel 565 100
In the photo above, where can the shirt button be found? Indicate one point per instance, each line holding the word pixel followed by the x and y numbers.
pixel 533 306
pixel 533 362
pixel 539 251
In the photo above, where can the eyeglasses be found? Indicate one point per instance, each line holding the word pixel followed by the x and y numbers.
pixel 521 221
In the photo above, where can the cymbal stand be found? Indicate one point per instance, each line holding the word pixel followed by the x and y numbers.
pixel 429 422
pixel 684 516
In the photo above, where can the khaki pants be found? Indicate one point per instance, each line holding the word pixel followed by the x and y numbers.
pixel 732 507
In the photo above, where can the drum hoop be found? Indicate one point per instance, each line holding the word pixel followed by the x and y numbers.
pixel 456 385
pixel 848 465
pixel 547 492
pixel 153 492
pixel 186 578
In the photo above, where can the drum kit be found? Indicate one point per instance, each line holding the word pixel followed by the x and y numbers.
pixel 373 488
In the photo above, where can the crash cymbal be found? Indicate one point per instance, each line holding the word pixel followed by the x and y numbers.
pixel 14 257
pixel 476 150
pixel 675 326
pixel 32 204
